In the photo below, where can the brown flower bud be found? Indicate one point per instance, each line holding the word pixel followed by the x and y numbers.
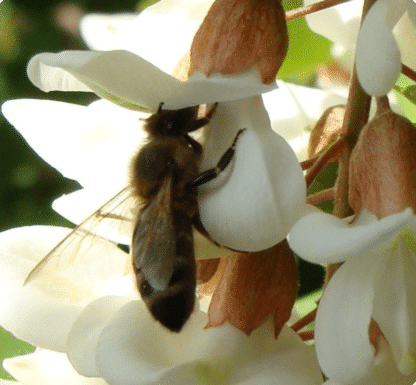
pixel 237 34
pixel 326 130
pixel 383 165
pixel 254 287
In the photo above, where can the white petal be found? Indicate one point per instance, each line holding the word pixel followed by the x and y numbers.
pixel 89 144
pixel 135 349
pixel 343 318
pixel 168 26
pixel 79 205
pixel 383 373
pixel 339 23
pixel 32 312
pixel 378 60
pixel 323 238
pixel 45 367
pixel 293 110
pixel 130 81
pixel 83 337
pixel 254 202
pixel 406 36
pixel 395 303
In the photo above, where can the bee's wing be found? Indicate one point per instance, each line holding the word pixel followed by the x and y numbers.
pixel 74 247
pixel 154 239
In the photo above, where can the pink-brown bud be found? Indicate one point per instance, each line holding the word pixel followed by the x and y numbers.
pixel 383 165
pixel 252 287
pixel 237 34
pixel 327 130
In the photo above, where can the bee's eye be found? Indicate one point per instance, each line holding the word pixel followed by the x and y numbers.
pixel 168 125
pixel 145 288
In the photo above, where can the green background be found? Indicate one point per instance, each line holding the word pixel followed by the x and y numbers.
pixel 27 184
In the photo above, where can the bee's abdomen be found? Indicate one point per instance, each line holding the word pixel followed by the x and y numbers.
pixel 173 306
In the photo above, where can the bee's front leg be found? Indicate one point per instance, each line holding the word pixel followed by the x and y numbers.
pixel 198 123
pixel 212 173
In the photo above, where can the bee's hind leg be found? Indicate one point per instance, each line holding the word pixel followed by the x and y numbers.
pixel 212 173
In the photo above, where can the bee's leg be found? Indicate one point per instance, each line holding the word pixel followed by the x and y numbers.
pixel 198 123
pixel 212 173
pixel 195 145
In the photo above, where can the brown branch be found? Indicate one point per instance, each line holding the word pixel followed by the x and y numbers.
pixel 303 11
pixel 333 152
pixel 407 71
pixel 321 196
pixel 307 336
pixel 306 320
pixel 308 163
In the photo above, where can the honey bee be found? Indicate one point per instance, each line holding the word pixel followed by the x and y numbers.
pixel 164 177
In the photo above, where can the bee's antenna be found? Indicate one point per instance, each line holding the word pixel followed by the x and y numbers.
pixel 159 110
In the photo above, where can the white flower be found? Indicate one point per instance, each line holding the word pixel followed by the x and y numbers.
pixel 262 187
pixel 378 55
pixel 111 338
pixel 377 281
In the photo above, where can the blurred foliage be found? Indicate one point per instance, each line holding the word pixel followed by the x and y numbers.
pixel 27 184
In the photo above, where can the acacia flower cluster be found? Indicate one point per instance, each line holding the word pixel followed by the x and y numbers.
pixel 91 326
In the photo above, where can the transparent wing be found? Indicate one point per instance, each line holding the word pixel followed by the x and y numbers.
pixel 154 239
pixel 115 216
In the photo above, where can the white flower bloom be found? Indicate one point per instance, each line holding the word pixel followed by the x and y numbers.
pixel 113 339
pixel 377 281
pixel 386 39
pixel 58 130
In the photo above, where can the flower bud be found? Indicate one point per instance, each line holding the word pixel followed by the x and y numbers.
pixel 326 130
pixel 251 287
pixel 237 34
pixel 383 165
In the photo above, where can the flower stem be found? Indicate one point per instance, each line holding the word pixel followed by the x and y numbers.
pixel 356 116
pixel 308 9
pixel 321 196
pixel 306 320
pixel 333 152
pixel 407 71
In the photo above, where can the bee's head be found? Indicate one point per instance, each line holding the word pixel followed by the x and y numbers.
pixel 171 122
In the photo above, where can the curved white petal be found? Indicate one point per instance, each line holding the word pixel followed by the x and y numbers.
pixel 84 335
pixel 342 321
pixel 323 238
pixel 36 312
pixel 378 59
pixel 395 302
pixel 252 205
pixel 133 349
pixel 91 144
pixel 161 34
pixel 339 23
pixel 45 367
pixel 293 110
pixel 405 35
pixel 383 373
pixel 411 11
pixel 130 81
